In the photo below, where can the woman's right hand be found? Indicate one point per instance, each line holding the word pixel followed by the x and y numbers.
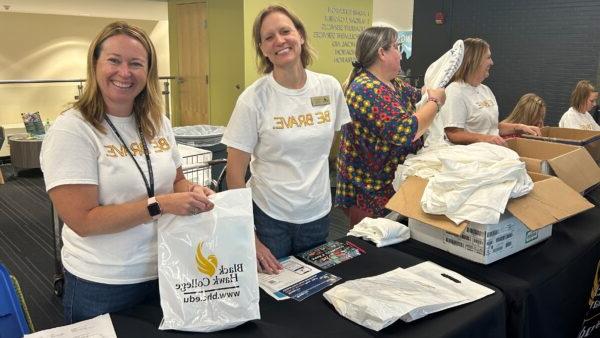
pixel 266 262
pixel 494 139
pixel 438 94
pixel 185 203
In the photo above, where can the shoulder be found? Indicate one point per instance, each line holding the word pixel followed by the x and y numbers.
pixel 256 92
pixel 70 119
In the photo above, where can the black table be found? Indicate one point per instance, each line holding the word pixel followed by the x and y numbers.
pixel 315 317
pixel 546 286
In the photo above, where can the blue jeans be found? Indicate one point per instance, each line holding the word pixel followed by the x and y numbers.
pixel 83 299
pixel 284 238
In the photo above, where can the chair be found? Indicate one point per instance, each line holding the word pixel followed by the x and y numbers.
pixel 15 320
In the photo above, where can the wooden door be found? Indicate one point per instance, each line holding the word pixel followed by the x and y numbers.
pixel 192 40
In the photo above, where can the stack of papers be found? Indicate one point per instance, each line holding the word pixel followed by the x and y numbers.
pixel 297 280
pixel 100 327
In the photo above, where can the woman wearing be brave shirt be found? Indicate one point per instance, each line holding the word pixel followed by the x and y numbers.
pixel 283 126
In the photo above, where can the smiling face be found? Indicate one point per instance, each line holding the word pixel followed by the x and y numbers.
pixel 121 71
pixel 280 42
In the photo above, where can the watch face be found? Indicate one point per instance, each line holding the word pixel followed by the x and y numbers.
pixel 154 209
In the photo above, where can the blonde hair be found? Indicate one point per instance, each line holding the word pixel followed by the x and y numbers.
pixel 475 49
pixel 367 49
pixel 147 106
pixel 263 64
pixel 530 110
pixel 580 94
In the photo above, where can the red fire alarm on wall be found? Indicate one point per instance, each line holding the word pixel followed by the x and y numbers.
pixel 439 18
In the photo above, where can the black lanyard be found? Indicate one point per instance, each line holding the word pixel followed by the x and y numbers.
pixel 149 186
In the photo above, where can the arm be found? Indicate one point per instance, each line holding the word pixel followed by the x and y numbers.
pixel 460 136
pixel 506 128
pixel 429 110
pixel 78 206
pixel 237 164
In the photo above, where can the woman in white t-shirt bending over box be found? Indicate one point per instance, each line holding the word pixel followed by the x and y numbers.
pixel 283 125
pixel 583 98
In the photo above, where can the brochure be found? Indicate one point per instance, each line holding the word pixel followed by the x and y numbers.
pixel 297 280
pixel 33 123
pixel 330 254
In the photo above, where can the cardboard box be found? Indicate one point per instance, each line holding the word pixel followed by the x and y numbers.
pixel 589 139
pixel 528 220
pixel 572 164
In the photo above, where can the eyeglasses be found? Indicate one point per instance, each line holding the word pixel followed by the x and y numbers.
pixel 397 46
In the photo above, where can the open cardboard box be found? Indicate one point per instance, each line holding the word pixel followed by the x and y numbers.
pixel 527 220
pixel 572 164
pixel 589 139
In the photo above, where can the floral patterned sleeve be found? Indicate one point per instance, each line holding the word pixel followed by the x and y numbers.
pixel 382 112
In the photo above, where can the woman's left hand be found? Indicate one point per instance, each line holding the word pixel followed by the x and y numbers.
pixel 531 130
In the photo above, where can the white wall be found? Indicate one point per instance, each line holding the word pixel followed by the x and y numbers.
pixel 397 13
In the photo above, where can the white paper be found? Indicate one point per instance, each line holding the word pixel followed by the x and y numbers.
pixel 99 327
pixel 293 272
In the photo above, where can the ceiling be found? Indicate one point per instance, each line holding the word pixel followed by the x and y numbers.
pixel 122 9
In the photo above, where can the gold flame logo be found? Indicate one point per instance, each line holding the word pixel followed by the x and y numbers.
pixel 208 265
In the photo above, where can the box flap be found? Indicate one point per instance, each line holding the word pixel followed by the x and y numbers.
pixel 550 201
pixel 407 202
pixel 577 169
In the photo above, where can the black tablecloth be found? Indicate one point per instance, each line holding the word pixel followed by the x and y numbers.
pixel 315 317
pixel 546 286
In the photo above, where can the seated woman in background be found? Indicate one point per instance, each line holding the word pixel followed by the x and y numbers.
pixel 583 98
pixel 384 129
pixel 471 111
pixel 530 110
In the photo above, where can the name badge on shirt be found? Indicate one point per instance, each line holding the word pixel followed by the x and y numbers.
pixel 319 100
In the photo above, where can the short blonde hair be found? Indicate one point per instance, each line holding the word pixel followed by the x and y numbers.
pixel 530 110
pixel 263 64
pixel 580 94
pixel 147 106
pixel 475 49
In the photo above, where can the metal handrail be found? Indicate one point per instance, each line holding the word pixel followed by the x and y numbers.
pixel 165 91
pixel 66 80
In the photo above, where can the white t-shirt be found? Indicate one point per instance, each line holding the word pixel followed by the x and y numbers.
pixel 473 109
pixel 289 134
pixel 74 152
pixel 576 120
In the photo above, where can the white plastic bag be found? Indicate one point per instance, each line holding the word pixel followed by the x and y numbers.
pixel 207 266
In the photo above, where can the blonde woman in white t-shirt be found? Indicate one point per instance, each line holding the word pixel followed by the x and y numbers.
pixel 471 112
pixel 112 168
pixel 283 127
pixel 583 98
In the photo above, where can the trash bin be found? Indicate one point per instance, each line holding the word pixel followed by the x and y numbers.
pixel 205 137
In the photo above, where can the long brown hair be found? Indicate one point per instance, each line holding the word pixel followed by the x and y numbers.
pixel 475 49
pixel 529 110
pixel 580 94
pixel 147 106
pixel 263 64
pixel 367 49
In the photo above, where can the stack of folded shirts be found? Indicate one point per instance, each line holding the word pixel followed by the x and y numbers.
pixel 381 231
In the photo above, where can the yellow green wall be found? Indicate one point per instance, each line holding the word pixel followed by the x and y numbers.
pixel 226 50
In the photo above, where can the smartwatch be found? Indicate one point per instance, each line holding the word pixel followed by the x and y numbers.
pixel 154 208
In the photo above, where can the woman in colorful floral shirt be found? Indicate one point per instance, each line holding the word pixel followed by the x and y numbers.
pixel 385 127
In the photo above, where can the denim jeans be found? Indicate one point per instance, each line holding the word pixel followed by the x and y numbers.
pixel 284 238
pixel 83 299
